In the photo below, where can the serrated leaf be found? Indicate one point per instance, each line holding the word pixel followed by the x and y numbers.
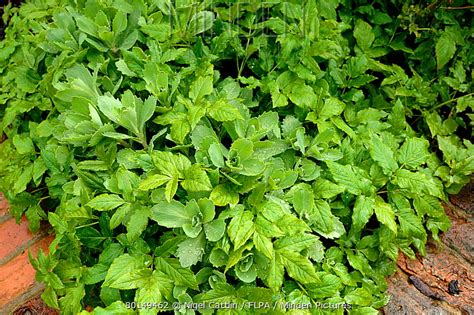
pixel 196 179
pixel 223 110
pixel 177 274
pixel 222 195
pixel 171 188
pixel 263 244
pixel 383 155
pixel 201 87
pixel 106 202
pixel 413 152
pixel 154 181
pixel 71 301
pixel 241 228
pixel 137 222
pixel 445 49
pixel 156 288
pixel 275 274
pixel 347 177
pixel 363 210
pixel 326 286
pixel 221 292
pixel 295 243
pixel 125 272
pixel 332 107
pixel 363 34
pixel 324 188
pixel 385 214
pixel 417 182
pixel 298 267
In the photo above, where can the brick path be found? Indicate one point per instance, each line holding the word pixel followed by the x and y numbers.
pixel 17 276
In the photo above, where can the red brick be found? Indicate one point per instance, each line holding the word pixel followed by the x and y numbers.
pixel 18 275
pixel 13 235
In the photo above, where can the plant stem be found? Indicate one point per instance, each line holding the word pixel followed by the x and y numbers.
pixel 450 101
pixel 459 8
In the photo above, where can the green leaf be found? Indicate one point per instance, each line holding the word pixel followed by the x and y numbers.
pixel 303 199
pixel 359 296
pixel 215 230
pixel 223 110
pixel 153 181
pixel 190 251
pixel 445 49
pixel 303 95
pixel 427 205
pixel 145 111
pixel 156 288
pixel 411 224
pixel 358 261
pixel 332 107
pixel 383 155
pixel 385 214
pixel 417 182
pixel 326 286
pixel 221 292
pixel 23 144
pixel 275 274
pixel 363 34
pixel 298 267
pixel 196 179
pixel 137 223
pixel 22 181
pixel 241 228
pixel 71 301
pixel 201 22
pixel 324 188
pixel 177 274
pixel 349 177
pixel 50 297
pixel 127 272
pixel 295 243
pixel 171 188
pixel 263 244
pixel 413 152
pixel 216 155
pixel 222 195
pixel 171 214
pixel 363 210
pixel 106 202
pixel 201 87
pixel 165 162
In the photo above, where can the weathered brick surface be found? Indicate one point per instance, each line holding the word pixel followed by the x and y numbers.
pixel 17 276
pixel 13 236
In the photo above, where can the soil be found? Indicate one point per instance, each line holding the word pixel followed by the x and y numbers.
pixel 35 306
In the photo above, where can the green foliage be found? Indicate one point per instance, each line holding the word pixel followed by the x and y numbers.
pixel 220 151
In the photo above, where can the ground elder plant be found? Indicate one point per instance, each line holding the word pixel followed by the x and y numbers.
pixel 232 152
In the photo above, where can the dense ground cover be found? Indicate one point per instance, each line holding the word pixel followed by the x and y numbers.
pixel 223 151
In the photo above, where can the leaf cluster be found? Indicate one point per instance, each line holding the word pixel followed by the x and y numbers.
pixel 223 151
